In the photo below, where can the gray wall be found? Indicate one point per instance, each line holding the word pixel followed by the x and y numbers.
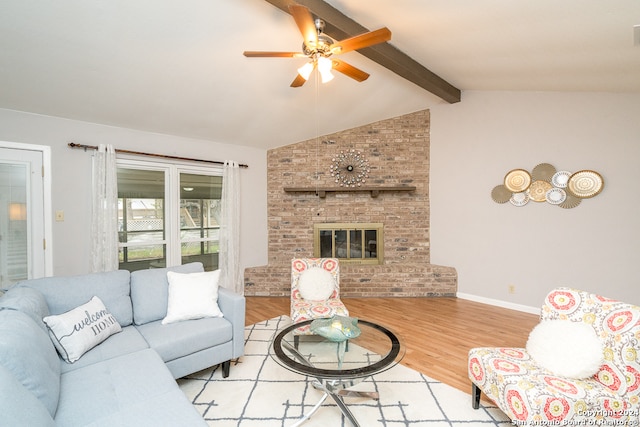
pixel 539 246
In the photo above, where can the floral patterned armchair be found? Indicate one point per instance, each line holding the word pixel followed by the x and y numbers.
pixel 532 395
pixel 315 291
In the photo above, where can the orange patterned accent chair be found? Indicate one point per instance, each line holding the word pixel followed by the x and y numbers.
pixel 547 383
pixel 315 291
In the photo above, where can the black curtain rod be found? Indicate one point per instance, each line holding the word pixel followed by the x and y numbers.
pixel 162 156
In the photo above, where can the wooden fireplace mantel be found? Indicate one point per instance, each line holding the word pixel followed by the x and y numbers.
pixel 322 191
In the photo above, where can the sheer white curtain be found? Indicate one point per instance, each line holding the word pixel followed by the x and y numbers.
pixel 104 210
pixel 229 258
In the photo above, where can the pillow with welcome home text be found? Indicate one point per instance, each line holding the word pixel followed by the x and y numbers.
pixel 79 330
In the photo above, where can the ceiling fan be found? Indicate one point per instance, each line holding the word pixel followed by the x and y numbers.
pixel 320 48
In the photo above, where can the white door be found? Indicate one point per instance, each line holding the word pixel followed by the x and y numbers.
pixel 22 224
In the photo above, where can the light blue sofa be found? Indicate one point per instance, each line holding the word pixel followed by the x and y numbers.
pixel 127 380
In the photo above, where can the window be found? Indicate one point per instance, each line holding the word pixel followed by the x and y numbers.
pixel 355 242
pixel 168 215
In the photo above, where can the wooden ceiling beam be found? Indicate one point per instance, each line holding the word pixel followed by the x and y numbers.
pixel 340 27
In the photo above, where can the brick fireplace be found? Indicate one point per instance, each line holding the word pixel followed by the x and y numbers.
pixel 397 151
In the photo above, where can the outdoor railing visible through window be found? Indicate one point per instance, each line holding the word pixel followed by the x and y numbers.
pixel 199 230
pixel 356 243
pixel 146 218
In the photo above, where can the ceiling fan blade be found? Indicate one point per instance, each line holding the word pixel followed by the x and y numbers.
pixel 350 70
pixel 305 23
pixel 261 54
pixel 298 81
pixel 363 40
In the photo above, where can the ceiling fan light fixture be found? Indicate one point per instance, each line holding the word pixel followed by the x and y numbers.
pixel 306 70
pixel 324 67
pixel 326 76
pixel 324 64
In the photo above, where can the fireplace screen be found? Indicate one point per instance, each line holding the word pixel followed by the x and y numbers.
pixel 349 242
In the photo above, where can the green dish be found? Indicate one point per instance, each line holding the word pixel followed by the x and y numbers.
pixel 336 328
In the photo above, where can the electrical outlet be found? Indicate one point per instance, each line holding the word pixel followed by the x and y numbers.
pixel 512 289
pixel 59 216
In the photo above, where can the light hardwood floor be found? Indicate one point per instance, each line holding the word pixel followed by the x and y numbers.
pixel 437 332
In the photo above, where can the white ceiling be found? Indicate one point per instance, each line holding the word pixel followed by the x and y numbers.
pixel 176 66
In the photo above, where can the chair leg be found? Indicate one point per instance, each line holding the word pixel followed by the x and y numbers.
pixel 225 368
pixel 296 341
pixel 475 396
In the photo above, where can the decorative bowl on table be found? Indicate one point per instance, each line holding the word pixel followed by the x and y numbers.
pixel 336 328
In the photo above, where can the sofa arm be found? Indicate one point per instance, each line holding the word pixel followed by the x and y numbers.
pixel 232 306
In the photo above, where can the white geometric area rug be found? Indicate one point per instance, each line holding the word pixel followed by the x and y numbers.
pixel 261 393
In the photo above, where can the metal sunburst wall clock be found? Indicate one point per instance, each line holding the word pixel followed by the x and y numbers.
pixel 350 168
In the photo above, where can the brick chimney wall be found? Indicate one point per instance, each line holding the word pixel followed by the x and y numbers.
pixel 398 153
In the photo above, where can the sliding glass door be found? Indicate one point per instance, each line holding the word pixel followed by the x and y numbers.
pixel 200 218
pixel 141 218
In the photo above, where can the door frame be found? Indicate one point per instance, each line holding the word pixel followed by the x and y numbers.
pixel 45 150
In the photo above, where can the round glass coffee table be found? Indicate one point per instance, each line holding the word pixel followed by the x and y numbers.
pixel 337 365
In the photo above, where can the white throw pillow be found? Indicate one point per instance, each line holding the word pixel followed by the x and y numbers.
pixel 192 296
pixel 566 348
pixel 316 284
pixel 79 330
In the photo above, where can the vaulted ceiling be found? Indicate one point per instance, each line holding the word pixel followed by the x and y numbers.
pixel 176 67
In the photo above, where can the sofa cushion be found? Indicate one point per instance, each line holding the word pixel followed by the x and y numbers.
pixel 79 330
pixel 150 291
pixel 183 338
pixel 27 352
pixel 27 300
pixel 66 293
pixel 18 406
pixel 127 341
pixel 136 385
pixel 171 408
pixel 192 296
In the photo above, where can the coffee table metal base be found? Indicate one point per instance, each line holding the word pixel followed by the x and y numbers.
pixel 337 394
pixel 334 389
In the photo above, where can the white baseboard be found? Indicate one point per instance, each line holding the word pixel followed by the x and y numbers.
pixel 499 303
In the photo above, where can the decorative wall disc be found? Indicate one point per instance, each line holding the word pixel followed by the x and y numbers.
pixel 538 190
pixel 519 199
pixel 555 196
pixel 543 172
pixel 560 179
pixel 517 180
pixel 570 202
pixel 350 168
pixel 585 184
pixel 500 194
